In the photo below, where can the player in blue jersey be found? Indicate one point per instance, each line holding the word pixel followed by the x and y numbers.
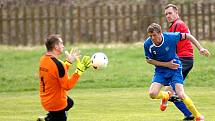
pixel 160 51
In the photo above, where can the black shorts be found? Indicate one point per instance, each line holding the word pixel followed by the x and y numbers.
pixel 60 115
pixel 187 65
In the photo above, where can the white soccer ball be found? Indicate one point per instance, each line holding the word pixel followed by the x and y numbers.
pixel 99 60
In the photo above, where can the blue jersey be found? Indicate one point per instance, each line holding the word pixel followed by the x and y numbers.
pixel 164 52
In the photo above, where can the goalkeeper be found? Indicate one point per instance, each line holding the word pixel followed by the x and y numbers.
pixel 55 80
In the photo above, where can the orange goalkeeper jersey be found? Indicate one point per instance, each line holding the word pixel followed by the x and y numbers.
pixel 54 83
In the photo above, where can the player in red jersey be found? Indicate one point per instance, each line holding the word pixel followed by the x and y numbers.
pixel 184 51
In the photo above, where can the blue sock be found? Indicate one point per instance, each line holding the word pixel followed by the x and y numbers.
pixel 183 108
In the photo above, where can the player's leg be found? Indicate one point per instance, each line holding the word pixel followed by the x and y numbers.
pixel 44 118
pixel 169 88
pixel 155 93
pixel 57 116
pixel 179 104
pixel 183 108
pixel 187 101
pixel 70 103
pixel 157 82
pixel 164 103
pixel 187 64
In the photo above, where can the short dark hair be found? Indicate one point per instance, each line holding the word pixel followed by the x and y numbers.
pixel 51 41
pixel 173 6
pixel 154 27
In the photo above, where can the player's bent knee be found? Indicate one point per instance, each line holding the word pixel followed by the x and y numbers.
pixel 152 95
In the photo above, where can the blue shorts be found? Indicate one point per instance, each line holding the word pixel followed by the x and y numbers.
pixel 167 78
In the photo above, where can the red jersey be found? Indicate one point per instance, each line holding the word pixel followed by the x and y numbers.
pixel 54 83
pixel 184 47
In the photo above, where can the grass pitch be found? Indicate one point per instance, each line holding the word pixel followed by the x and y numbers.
pixel 112 104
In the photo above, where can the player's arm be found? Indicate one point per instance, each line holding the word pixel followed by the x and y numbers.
pixel 67 64
pixel 66 81
pixel 202 50
pixel 69 82
pixel 169 64
pixel 150 60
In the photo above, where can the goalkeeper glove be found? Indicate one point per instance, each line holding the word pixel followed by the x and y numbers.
pixel 80 68
pixel 82 65
pixel 86 61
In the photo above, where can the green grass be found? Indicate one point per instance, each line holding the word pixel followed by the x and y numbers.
pixel 117 93
pixel 110 104
pixel 127 68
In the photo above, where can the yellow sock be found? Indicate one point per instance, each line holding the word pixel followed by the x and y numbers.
pixel 189 103
pixel 162 94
